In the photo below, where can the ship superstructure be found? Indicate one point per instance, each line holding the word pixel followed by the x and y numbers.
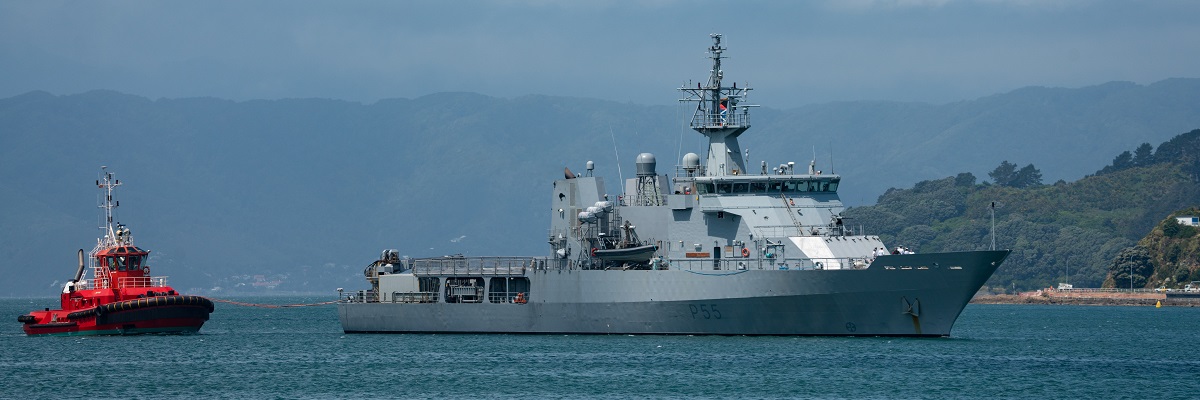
pixel 717 249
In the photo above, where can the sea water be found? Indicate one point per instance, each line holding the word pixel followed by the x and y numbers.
pixel 995 351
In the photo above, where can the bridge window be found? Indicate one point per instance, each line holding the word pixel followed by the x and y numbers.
pixel 741 187
pixel 758 187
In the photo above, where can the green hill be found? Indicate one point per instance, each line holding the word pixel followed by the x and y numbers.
pixel 1077 228
pixel 1168 257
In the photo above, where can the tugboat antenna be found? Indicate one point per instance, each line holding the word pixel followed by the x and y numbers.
pixel 106 185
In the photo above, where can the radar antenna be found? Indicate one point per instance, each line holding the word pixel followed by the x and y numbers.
pixel 720 116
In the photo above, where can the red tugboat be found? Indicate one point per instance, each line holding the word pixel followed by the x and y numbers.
pixel 121 298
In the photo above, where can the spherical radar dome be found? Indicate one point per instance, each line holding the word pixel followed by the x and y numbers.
pixel 645 164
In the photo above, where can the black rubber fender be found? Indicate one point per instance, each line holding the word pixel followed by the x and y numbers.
pixel 27 319
pixel 81 314
pixel 154 302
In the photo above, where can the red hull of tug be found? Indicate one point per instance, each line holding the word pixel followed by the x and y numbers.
pixel 159 314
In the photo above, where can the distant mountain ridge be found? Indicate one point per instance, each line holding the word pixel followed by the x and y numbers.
pixel 309 190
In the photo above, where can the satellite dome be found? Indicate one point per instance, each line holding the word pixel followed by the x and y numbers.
pixel 691 161
pixel 645 164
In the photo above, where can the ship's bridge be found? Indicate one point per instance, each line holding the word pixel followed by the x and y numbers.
pixel 124 258
pixel 792 185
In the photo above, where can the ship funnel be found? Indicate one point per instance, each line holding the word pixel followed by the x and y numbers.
pixel 79 272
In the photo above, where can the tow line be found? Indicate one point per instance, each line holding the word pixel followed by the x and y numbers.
pixel 238 303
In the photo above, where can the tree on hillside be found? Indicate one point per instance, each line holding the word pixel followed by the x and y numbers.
pixel 1143 156
pixel 1122 161
pixel 1135 260
pixel 1028 176
pixel 1003 174
pixel 1172 229
pixel 964 179
pixel 1193 170
pixel 1007 175
pixel 1179 149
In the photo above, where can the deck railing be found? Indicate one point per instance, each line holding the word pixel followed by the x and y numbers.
pixel 414 297
pixel 508 297
pixel 741 264
pixel 468 266
pixel 732 118
pixel 142 281
pixel 126 282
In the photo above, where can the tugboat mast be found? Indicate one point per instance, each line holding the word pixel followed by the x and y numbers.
pixel 113 234
pixel 720 117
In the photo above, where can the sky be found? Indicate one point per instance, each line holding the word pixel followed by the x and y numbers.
pixel 792 53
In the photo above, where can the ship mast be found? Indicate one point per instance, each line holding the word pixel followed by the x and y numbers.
pixel 720 117
pixel 114 234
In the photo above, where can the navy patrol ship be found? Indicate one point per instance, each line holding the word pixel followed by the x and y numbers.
pixel 718 249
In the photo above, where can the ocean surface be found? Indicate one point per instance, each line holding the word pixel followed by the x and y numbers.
pixel 995 351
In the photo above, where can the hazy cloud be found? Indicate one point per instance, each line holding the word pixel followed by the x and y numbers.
pixel 794 53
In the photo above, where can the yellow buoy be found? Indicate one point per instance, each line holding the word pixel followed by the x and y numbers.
pixel 1158 304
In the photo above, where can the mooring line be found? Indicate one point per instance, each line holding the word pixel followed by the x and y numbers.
pixel 238 303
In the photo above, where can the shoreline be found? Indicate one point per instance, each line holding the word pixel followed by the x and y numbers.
pixel 1086 299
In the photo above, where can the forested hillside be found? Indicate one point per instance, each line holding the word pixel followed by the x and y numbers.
pixel 1168 257
pixel 1078 228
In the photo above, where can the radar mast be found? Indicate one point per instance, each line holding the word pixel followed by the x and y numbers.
pixel 720 116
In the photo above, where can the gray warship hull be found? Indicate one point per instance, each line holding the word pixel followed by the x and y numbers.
pixel 915 295
pixel 717 249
